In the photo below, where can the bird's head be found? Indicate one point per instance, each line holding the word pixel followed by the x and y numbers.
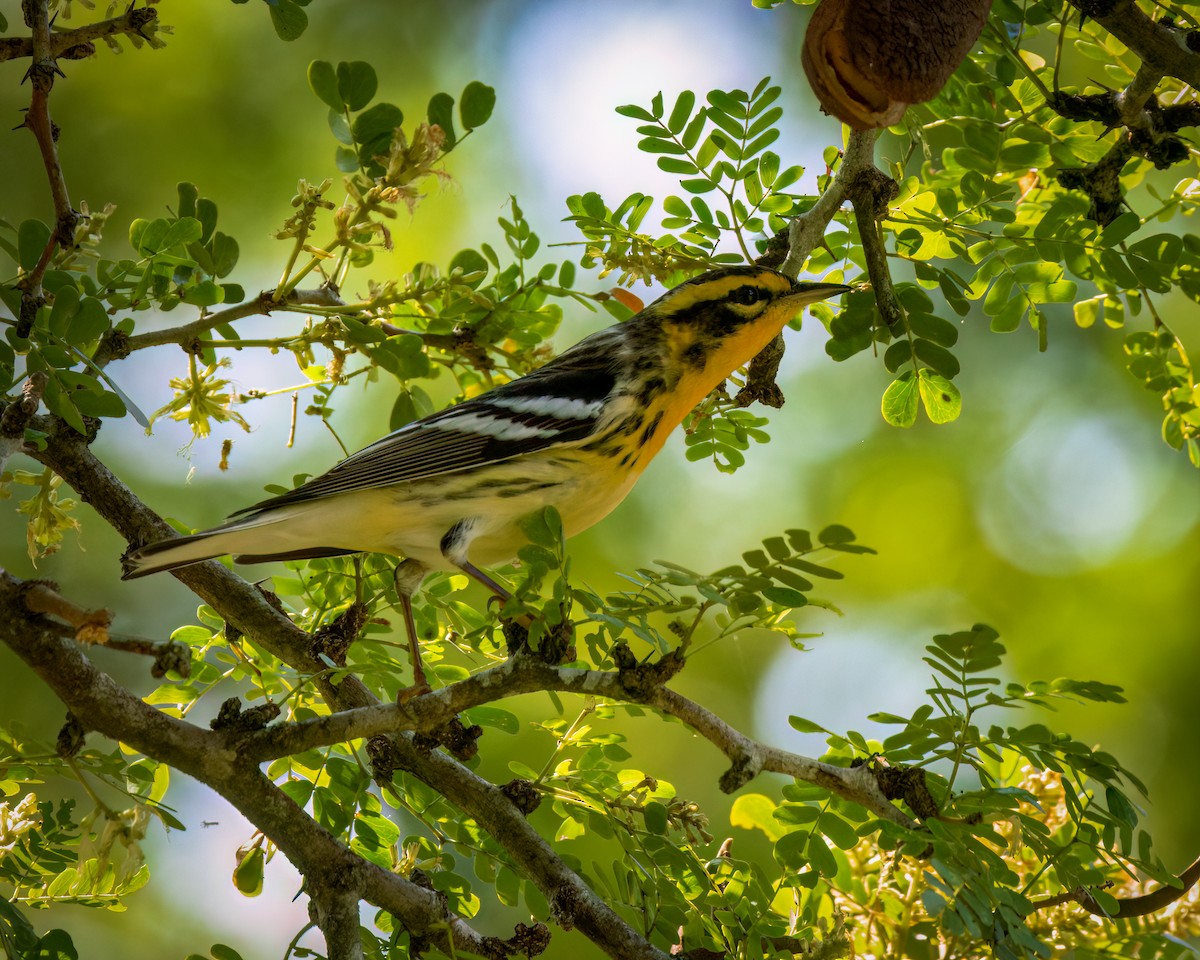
pixel 719 320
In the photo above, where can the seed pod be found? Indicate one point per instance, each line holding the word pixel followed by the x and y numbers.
pixel 867 60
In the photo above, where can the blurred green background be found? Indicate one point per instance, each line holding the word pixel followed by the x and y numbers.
pixel 1057 516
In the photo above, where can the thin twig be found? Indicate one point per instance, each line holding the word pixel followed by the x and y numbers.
pixel 117 346
pixel 1142 906
pixel 91 626
pixel 41 74
pixel 75 44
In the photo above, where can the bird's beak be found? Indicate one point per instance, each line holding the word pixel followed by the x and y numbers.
pixel 805 292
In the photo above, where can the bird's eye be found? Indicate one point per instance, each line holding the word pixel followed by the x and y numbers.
pixel 747 295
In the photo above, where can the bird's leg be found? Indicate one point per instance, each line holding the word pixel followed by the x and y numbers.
pixel 454 548
pixel 475 573
pixel 407 577
pixel 516 630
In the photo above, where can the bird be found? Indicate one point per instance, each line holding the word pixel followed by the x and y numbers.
pixel 449 491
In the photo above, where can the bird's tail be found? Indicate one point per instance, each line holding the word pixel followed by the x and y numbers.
pixel 253 540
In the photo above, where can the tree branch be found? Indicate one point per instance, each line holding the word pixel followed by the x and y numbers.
pixel 335 911
pixel 573 904
pixel 214 758
pixel 78 43
pixel 16 415
pixel 1142 906
pixel 117 346
pixel 67 453
pixel 432 711
pixel 1156 44
pixel 808 229
pixel 41 75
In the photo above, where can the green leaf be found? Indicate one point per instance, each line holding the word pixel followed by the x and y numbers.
pixel 1126 224
pixel 933 328
pixel 188 195
pixel 323 81
pixel 89 322
pixel 476 104
pixel 754 811
pixel 806 726
pixel 785 597
pixel 356 83
pixel 206 293
pixel 494 717
pixel 838 830
pixel 180 233
pixel 289 20
pixel 1009 317
pixel 940 397
pixel 939 358
pixel 677 165
pixel 681 112
pixel 659 145
pixel 900 401
pixel 66 304
pixel 32 237
pixel 248 874
pixel 820 856
pixel 543 528
pixel 225 253
pixel 655 815
pixel 441 113
pixel 836 535
pixel 404 410
pixel 634 112
pixel 54 945
pixel 373 129
pixel 339 126
pixel 469 262
pixel 17 931
pixel 1119 806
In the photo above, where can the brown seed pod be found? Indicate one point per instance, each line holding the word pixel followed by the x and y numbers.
pixel 867 60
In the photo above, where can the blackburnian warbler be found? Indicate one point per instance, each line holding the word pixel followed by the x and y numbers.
pixel 449 491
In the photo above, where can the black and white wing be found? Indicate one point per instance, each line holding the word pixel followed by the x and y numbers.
pixel 556 404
